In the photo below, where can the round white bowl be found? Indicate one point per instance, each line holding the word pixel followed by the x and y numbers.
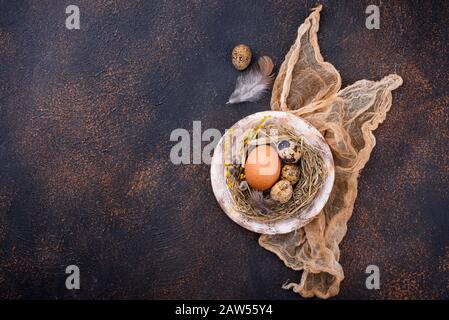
pixel 306 214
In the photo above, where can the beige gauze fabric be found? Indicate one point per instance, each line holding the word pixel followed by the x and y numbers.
pixel 310 88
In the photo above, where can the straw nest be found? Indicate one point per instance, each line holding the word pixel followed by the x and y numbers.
pixel 258 204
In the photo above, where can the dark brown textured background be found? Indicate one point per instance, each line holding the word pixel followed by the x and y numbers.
pixel 85 121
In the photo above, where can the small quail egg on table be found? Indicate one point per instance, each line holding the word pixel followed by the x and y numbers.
pixel 282 191
pixel 241 56
pixel 288 151
pixel 291 173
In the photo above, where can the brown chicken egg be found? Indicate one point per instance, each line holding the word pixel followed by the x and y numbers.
pixel 262 167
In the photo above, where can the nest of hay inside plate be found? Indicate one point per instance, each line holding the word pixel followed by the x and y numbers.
pixel 256 203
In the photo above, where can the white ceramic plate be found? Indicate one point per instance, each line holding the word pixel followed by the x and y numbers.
pixel 305 215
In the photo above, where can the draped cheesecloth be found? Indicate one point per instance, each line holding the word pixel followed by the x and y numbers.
pixel 310 88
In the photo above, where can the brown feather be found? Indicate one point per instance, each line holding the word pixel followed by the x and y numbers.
pixel 266 66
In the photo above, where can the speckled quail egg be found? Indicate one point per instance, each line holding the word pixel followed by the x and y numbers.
pixel 282 191
pixel 241 56
pixel 291 173
pixel 288 151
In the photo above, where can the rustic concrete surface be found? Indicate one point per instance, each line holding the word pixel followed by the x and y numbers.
pixel 85 120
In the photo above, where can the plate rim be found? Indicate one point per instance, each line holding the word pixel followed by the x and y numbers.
pixel 280 226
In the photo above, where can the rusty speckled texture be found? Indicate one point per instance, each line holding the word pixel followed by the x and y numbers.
pixel 85 121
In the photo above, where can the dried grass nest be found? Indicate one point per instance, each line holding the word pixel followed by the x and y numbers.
pixel 258 204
